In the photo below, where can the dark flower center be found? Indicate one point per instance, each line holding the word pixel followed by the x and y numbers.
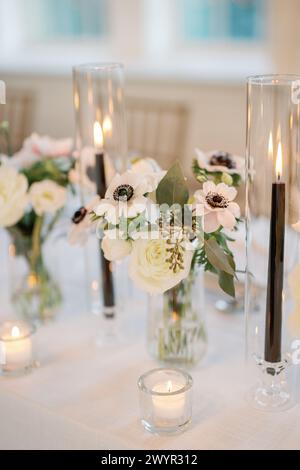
pixel 79 215
pixel 216 200
pixel 223 159
pixel 123 193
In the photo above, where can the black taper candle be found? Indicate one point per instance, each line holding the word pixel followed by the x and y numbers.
pixel 273 328
pixel 107 279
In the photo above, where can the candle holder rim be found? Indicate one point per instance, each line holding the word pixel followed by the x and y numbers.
pixel 188 382
pixel 97 66
pixel 31 330
pixel 272 79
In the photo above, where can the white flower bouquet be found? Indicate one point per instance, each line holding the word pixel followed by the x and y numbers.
pixel 33 192
pixel 148 216
pixel 151 218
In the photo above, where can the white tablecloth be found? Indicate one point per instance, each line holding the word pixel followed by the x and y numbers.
pixel 85 397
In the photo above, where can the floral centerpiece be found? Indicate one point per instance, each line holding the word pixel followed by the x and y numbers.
pixel 169 236
pixel 33 192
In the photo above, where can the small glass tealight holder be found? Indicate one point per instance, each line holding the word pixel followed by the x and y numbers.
pixel 165 400
pixel 16 347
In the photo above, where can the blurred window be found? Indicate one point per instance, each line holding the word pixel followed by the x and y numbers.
pixel 65 19
pixel 222 19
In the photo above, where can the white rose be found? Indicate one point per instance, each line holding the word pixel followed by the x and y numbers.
pixel 47 196
pixel 115 249
pixel 13 197
pixel 150 270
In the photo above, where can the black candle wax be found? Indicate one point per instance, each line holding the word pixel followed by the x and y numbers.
pixel 273 328
pixel 107 279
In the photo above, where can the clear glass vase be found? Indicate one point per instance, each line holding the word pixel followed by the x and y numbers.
pixel 35 295
pixel 176 325
pixel 273 238
pixel 101 143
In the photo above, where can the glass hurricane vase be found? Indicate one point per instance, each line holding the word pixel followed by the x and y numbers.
pixel 35 295
pixel 176 324
pixel 273 239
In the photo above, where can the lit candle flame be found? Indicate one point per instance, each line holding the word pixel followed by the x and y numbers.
pixel 76 100
pixel 98 135
pixel 107 126
pixel 279 162
pixel 15 332
pixel 169 386
pixel 270 147
pixel 95 286
pixel 11 250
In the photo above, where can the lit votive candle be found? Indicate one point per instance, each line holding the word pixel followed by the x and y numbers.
pixel 165 400
pixel 16 352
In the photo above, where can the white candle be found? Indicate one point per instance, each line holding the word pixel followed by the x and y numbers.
pixel 165 400
pixel 15 346
pixel 168 405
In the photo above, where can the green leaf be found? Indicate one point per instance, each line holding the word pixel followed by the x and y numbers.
pixel 226 282
pixel 50 168
pixel 217 257
pixel 173 189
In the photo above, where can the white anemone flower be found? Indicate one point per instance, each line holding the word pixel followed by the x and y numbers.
pixel 125 197
pixel 218 161
pixel 83 223
pixel 215 204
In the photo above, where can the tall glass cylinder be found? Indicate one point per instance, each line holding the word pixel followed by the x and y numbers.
pixel 101 141
pixel 272 216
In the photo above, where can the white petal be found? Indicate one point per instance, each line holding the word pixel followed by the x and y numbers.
pixel 210 222
pixel 104 206
pixel 115 182
pixel 209 187
pixel 202 158
pixel 137 207
pixel 227 219
pixel 131 178
pixel 234 209
pixel 229 192
pixel 115 250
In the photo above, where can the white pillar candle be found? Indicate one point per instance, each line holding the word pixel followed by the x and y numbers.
pixel 169 404
pixel 15 346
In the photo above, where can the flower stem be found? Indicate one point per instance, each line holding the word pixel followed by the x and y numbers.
pixel 36 251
